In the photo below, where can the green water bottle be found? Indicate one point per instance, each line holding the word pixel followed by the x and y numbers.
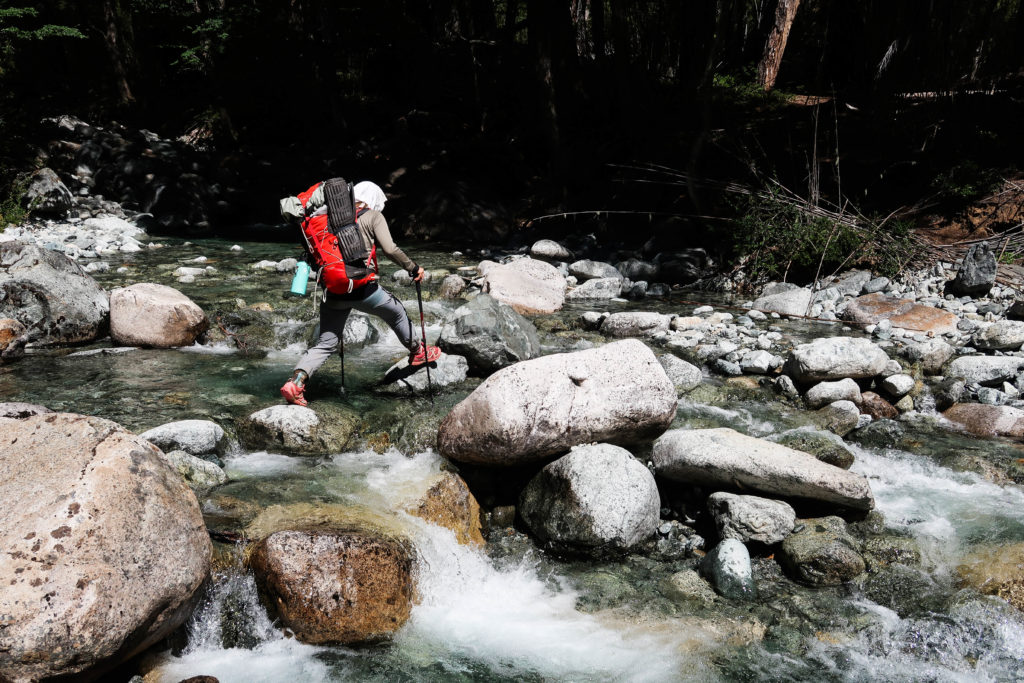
pixel 301 279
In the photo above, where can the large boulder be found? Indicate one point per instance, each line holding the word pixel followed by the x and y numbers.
pixel 977 272
pixel 822 553
pixel 1003 335
pixel 873 308
pixel 148 314
pixel 796 301
pixel 195 437
pixel 50 295
pixel 931 354
pixel 725 458
pixel 597 496
pixel 751 518
pixel 986 420
pixel 834 358
pixel 987 370
pixel 402 378
pixel 685 376
pixel 104 546
pixel 48 194
pixel 527 285
pixel 617 393
pixel 297 429
pixel 823 393
pixel 332 575
pixel 489 334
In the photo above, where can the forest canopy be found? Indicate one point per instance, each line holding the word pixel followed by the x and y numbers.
pixel 547 105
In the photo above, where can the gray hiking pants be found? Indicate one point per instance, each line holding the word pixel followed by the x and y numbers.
pixel 334 314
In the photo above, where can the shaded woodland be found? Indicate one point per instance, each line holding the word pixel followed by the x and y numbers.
pixel 503 119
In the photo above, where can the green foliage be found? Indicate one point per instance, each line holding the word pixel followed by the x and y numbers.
pixel 10 33
pixel 744 90
pixel 967 180
pixel 12 208
pixel 780 240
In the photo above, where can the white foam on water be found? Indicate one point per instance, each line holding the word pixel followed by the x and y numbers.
pixel 215 349
pixel 732 417
pixel 260 464
pixel 945 510
pixel 515 624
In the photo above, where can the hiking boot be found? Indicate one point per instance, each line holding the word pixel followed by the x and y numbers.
pixel 294 388
pixel 418 357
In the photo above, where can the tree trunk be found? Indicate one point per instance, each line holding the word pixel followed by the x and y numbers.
pixel 117 35
pixel 768 69
pixel 597 29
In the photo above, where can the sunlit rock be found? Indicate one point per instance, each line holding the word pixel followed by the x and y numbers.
pixel 148 314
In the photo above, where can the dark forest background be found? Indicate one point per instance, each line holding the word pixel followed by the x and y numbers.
pixel 484 117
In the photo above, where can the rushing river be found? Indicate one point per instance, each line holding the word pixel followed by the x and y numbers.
pixel 510 611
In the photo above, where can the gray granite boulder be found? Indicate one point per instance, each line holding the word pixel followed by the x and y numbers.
pixel 527 285
pixel 195 437
pixel 932 354
pixel 986 370
pixel 550 250
pixel 823 393
pixel 725 458
pixel 789 302
pixel 150 314
pixel 401 378
pixel 635 324
pixel 751 518
pixel 47 194
pixel 977 272
pixel 616 393
pixel 199 474
pixel 590 270
pixel 685 376
pixel 597 288
pixel 832 358
pixel 727 567
pixel 297 430
pixel 597 496
pixel 1003 335
pixel 489 334
pixel 50 295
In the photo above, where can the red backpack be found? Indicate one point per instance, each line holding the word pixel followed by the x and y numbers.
pixel 333 239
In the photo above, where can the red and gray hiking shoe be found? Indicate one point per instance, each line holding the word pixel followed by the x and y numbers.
pixel 419 357
pixel 294 388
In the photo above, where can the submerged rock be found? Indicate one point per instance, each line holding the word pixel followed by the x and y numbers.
pixel 334 579
pixel 527 285
pixel 834 358
pixel 996 570
pixel 825 446
pixel 50 295
pixel 597 496
pixel 104 552
pixel 724 457
pixel 489 334
pixel 751 518
pixel 297 429
pixel 148 314
pixel 823 553
pixel 617 393
pixel 195 437
pixel 728 569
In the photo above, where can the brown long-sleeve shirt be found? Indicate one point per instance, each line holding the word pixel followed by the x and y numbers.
pixel 374 229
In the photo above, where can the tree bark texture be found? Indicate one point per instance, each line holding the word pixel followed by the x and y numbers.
pixel 768 69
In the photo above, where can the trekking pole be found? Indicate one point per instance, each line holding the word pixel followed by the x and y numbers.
pixel 426 356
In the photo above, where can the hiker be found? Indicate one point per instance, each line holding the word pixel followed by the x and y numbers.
pixel 369 298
